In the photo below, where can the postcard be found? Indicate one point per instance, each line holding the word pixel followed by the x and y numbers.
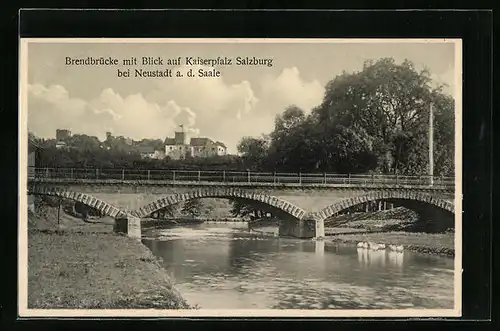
pixel 240 177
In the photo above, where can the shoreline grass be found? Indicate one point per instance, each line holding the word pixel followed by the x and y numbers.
pixel 76 264
pixel 96 270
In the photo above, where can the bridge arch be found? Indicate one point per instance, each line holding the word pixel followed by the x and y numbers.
pixel 409 196
pixel 86 199
pixel 228 193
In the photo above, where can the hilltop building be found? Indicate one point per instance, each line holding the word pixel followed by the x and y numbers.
pixel 63 134
pixel 61 145
pixel 205 147
pixel 179 148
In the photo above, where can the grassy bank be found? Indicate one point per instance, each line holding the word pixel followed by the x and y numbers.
pixel 75 264
pixel 396 219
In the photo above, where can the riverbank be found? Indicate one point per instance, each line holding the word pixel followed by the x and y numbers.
pixel 77 264
pixel 397 226
pixel 425 243
pixel 395 219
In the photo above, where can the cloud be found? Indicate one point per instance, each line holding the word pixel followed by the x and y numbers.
pixel 50 108
pixel 446 79
pixel 206 106
pixel 275 95
pixel 227 112
pixel 289 88
pixel 207 97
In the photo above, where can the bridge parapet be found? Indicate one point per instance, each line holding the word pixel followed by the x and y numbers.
pixel 236 179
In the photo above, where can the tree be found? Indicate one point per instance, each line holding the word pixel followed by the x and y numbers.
pixel 84 143
pixel 291 118
pixel 241 208
pixel 344 150
pixel 121 144
pixel 444 135
pixel 171 210
pixel 193 208
pixel 156 144
pixel 293 149
pixel 34 139
pixel 253 151
pixel 390 102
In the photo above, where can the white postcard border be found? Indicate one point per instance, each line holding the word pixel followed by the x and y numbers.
pixel 23 309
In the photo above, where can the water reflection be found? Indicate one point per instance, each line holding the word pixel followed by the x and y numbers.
pixel 396 258
pixel 225 266
pixel 370 257
pixel 320 248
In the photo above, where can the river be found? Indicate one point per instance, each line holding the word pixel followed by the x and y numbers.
pixel 224 266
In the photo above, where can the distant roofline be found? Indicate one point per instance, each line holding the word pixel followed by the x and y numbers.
pixel 220 144
pixel 146 148
pixel 170 141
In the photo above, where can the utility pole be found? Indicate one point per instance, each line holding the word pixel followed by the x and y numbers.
pixel 431 144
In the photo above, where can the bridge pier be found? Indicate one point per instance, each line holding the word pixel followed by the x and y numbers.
pixel 303 229
pixel 129 225
pixel 320 229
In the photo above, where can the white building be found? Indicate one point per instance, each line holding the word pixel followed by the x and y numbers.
pixel 221 148
pixel 178 147
pixel 61 144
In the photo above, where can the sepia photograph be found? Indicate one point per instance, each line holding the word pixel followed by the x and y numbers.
pixel 240 177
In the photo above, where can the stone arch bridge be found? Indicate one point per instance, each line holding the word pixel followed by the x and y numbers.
pixel 302 207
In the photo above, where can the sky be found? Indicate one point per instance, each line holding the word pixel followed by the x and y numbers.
pixel 242 102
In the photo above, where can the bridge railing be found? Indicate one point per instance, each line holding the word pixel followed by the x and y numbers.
pixel 237 177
